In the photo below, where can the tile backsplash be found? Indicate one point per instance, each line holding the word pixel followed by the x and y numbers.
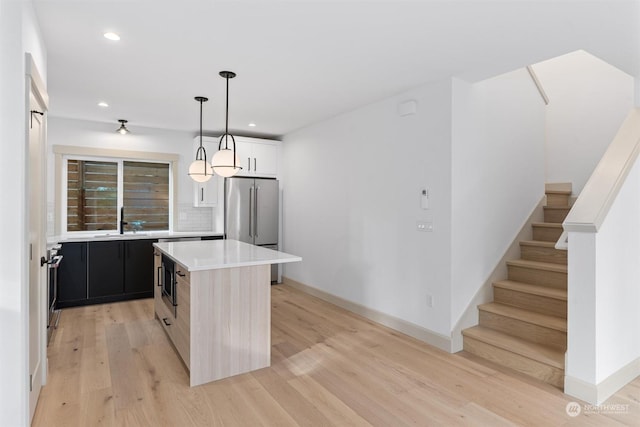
pixel 194 219
pixel 189 218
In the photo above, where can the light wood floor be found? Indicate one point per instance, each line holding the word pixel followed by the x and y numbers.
pixel 112 365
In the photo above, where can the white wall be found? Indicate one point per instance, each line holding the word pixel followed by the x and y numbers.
pixel 352 196
pixel 63 131
pixel 588 100
pixel 497 175
pixel 18 34
pixel 351 202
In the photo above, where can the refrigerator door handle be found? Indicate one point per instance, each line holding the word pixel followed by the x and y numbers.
pixel 255 216
pixel 250 210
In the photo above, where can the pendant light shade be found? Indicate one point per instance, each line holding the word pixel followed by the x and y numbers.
pixel 200 170
pixel 226 161
pixel 122 130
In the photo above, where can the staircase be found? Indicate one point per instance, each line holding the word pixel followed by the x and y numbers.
pixel 525 327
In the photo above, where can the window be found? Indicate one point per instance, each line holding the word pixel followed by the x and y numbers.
pixel 98 191
pixel 92 195
pixel 146 196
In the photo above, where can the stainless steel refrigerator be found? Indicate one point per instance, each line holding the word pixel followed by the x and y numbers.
pixel 251 212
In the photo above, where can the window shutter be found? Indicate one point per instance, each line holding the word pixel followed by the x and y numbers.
pixel 92 195
pixel 146 196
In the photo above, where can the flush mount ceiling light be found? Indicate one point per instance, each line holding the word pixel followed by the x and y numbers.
pixel 252 125
pixel 122 130
pixel 103 104
pixel 200 170
pixel 112 36
pixel 226 161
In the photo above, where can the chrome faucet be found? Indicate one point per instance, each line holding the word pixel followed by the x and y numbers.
pixel 122 221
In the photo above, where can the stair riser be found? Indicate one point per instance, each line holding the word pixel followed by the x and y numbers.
pixel 546 234
pixel 552 279
pixel 529 331
pixel 524 365
pixel 557 199
pixel 535 303
pixel 543 254
pixel 555 215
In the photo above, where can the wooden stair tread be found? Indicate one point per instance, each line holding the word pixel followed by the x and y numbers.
pixel 547 355
pixel 537 265
pixel 553 208
pixel 538 243
pixel 547 224
pixel 558 186
pixel 544 291
pixel 567 192
pixel 551 322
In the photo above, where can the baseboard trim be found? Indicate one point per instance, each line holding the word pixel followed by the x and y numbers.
pixel 432 338
pixel 596 394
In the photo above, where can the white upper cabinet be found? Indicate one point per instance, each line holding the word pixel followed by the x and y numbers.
pixel 258 157
pixel 205 194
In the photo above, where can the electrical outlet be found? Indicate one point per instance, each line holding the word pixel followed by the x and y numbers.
pixel 429 300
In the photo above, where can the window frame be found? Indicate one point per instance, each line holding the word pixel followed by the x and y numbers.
pixel 64 153
pixel 65 199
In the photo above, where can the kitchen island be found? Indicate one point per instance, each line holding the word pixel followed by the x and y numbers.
pixel 213 299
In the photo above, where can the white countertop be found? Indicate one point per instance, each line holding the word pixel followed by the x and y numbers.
pixel 216 254
pixel 132 236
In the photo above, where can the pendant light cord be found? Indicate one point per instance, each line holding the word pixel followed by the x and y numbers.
pixel 227 75
pixel 201 123
pixel 201 153
pixel 226 125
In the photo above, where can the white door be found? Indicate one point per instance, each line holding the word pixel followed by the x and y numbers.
pixel 37 249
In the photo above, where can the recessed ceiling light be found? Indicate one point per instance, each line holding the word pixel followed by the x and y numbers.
pixel 112 36
pixel 103 104
pixel 252 125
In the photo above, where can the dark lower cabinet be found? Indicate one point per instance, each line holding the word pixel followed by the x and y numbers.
pixel 72 274
pixel 211 237
pixel 106 271
pixel 138 266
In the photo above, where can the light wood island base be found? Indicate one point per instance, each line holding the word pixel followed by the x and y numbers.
pixel 231 318
pixel 213 299
pixel 223 322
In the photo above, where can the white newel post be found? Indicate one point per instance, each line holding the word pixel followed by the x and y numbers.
pixel 580 369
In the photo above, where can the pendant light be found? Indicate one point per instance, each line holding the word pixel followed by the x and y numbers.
pixel 122 130
pixel 200 170
pixel 226 161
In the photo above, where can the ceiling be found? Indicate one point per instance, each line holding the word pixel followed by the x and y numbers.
pixel 301 62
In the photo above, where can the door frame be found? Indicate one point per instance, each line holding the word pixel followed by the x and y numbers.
pixel 34 86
